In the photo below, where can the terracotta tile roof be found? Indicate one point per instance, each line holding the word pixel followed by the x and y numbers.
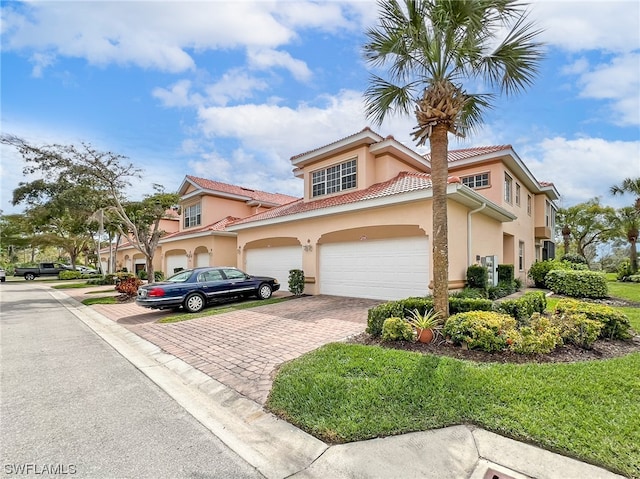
pixel 545 183
pixel 458 155
pixel 403 183
pixel 366 128
pixel 259 196
pixel 219 225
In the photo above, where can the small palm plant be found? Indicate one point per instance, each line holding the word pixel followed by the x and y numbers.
pixel 427 324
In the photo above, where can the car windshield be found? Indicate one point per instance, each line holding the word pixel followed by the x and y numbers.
pixel 180 277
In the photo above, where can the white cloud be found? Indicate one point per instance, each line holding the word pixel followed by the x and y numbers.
pixel 178 95
pixel 577 25
pixel 264 59
pixel 618 81
pixel 234 85
pixel 585 167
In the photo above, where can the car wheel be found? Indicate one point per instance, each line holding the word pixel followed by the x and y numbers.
pixel 194 303
pixel 264 291
pixel 29 276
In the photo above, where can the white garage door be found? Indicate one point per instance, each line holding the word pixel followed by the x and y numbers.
pixel 275 262
pixel 202 259
pixel 377 269
pixel 175 261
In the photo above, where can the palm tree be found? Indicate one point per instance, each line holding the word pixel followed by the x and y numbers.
pixel 627 224
pixel 430 47
pixel 629 185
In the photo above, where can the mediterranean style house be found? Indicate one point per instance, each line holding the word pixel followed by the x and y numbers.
pixel 364 225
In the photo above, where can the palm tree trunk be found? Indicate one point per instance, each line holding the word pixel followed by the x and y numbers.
pixel 439 142
pixel 633 256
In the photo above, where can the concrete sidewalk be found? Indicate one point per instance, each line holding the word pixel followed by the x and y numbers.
pixel 279 450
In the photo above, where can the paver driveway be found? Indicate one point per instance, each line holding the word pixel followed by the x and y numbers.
pixel 243 348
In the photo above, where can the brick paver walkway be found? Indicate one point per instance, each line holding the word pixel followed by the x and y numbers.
pixel 242 349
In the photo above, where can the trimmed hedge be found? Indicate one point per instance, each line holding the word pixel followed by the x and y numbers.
pixel 485 330
pixel 577 284
pixel 505 272
pixel 396 329
pixel 523 308
pixel 477 277
pixel 616 323
pixel 403 307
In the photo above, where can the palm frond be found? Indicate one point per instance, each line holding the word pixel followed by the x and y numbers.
pixel 383 98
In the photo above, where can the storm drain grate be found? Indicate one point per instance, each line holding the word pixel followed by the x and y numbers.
pixel 493 474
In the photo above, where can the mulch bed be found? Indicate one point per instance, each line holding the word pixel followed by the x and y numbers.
pixel 602 349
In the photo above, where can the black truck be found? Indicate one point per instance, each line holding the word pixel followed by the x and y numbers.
pixel 43 269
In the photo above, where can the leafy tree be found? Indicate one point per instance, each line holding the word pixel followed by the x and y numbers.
pixel 628 185
pixel 589 224
pixel 431 48
pixel 107 175
pixel 626 223
pixel 17 233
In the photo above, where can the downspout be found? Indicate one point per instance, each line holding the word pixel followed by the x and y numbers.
pixel 480 208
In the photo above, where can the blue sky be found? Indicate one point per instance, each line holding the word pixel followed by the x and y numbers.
pixel 231 90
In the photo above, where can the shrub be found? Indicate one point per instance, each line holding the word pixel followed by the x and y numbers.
pixel 616 324
pixel 505 272
pixel 524 307
pixel 517 283
pixel 477 277
pixel 634 278
pixel 504 288
pixel 624 270
pixel 574 258
pixel 540 337
pixel 484 330
pixel 142 274
pixel 108 279
pixel 396 329
pixel 576 328
pixel 296 281
pixel 402 308
pixel 539 270
pixel 129 286
pixel 70 274
pixel 158 276
pixel 470 293
pixel 577 284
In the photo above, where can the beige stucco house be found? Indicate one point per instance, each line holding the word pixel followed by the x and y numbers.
pixel 363 227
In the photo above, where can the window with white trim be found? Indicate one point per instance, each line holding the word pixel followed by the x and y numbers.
pixel 334 179
pixel 518 194
pixel 192 216
pixel 479 180
pixel 508 187
pixel 529 205
pixel 521 255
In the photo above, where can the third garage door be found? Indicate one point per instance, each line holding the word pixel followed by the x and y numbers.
pixel 378 269
pixel 275 262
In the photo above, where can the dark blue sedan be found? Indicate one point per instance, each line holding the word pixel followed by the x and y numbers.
pixel 194 288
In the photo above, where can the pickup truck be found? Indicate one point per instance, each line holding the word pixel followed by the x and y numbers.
pixel 43 269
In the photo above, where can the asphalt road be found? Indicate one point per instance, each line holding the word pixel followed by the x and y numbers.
pixel 71 406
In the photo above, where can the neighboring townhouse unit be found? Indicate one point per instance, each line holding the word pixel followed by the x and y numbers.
pixel 199 236
pixel 364 225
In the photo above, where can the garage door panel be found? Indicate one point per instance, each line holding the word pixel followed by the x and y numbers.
pixel 381 269
pixel 174 262
pixel 275 262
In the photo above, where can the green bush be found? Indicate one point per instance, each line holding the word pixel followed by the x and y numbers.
pixel 577 328
pixel 541 337
pixel 504 288
pixel 505 272
pixel 402 308
pixel 574 258
pixel 142 274
pixel 158 275
pixel 577 284
pixel 477 277
pixel 616 324
pixel 624 271
pixel 396 329
pixel 296 282
pixel 539 270
pixel 524 307
pixel 70 274
pixel 474 293
pixel 634 278
pixel 484 330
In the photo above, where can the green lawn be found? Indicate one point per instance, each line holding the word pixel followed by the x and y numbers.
pixel 588 410
pixel 345 392
pixel 101 300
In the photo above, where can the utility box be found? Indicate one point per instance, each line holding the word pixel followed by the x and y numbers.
pixel 491 263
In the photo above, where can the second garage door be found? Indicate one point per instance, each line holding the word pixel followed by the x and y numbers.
pixel 275 262
pixel 378 269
